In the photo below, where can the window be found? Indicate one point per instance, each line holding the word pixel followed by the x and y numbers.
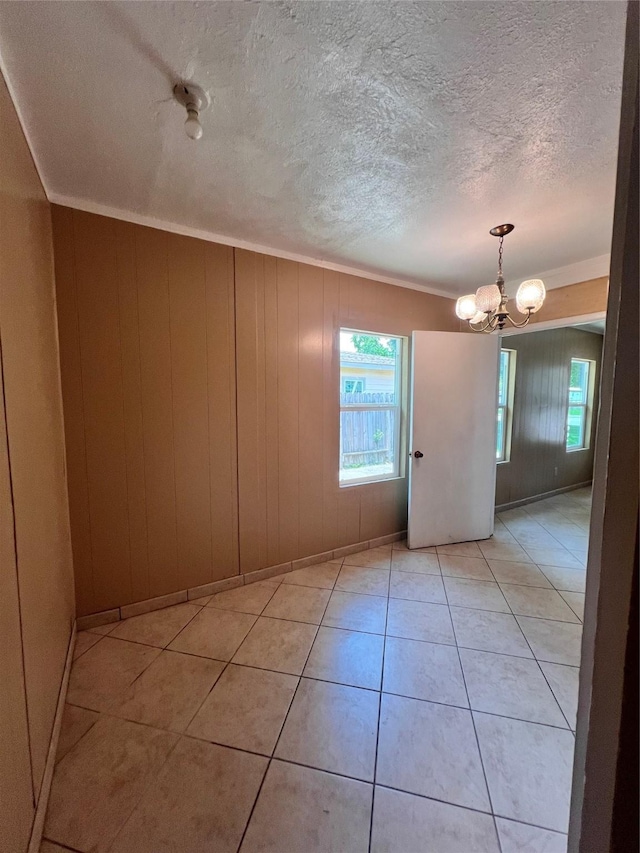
pixel 579 406
pixel 353 386
pixel 506 385
pixel 370 410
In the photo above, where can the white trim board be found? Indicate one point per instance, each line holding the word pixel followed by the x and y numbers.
pixel 559 323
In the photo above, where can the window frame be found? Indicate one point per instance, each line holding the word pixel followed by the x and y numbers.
pixel 399 407
pixel 507 406
pixel 586 406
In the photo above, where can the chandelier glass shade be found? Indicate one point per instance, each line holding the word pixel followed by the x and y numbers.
pixel 486 309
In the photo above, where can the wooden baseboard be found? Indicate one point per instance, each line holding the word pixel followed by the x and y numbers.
pixel 106 617
pixel 45 788
pixel 535 498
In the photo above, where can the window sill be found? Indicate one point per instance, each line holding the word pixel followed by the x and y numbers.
pixel 575 449
pixel 371 482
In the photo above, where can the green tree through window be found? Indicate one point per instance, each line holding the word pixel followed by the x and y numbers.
pixel 373 345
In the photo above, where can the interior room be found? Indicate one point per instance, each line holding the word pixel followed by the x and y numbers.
pixel 316 342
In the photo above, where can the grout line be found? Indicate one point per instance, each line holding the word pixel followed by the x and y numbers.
pixel 375 757
pixel 473 722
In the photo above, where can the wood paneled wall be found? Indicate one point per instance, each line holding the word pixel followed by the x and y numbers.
pixel 147 351
pixel 574 300
pixel 36 575
pixel 538 449
pixel 201 407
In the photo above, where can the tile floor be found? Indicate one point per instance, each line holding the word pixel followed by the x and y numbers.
pixel 393 702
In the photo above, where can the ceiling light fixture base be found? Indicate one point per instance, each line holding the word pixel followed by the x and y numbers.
pixel 194 99
pixel 502 230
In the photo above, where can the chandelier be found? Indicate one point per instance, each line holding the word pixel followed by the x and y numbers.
pixel 486 310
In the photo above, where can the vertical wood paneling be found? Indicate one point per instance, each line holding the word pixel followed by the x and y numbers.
pixel 252 487
pixel 269 450
pixel 189 384
pixel 99 324
pixel 132 409
pixel 223 479
pixel 157 406
pixel 540 410
pixel 72 396
pixel 310 417
pixel 288 407
pixel 211 426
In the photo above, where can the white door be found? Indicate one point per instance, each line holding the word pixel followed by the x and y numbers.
pixel 452 469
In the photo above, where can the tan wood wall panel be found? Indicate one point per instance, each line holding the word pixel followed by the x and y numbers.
pixel 223 471
pixel 574 300
pixel 288 406
pixel 36 453
pixel 149 388
pixel 132 409
pixel 204 403
pixel 540 408
pixel 16 791
pixel 189 366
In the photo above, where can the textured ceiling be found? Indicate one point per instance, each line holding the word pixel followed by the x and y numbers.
pixel 385 136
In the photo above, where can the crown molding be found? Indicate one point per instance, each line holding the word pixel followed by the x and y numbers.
pixel 225 240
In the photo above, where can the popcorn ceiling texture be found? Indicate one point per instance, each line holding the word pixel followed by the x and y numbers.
pixel 389 136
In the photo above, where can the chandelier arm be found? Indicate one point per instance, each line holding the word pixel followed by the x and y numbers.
pixel 524 322
pixel 480 328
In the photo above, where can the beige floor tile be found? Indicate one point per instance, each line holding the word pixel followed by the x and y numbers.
pixel 430 749
pixel 542 603
pixel 170 691
pixel 525 574
pixel 356 612
pixel 421 670
pixel 489 632
pixel 567 580
pixel 214 633
pixel 479 595
pixel 301 810
pixel 555 642
pixel 401 545
pixel 493 549
pixel 575 600
pixel 102 674
pixel 521 838
pixel 76 722
pixel 158 627
pixel 459 549
pixel 528 769
pixel 510 686
pixel 374 558
pixel 346 657
pixel 419 620
pixel 277 645
pixel 200 802
pixel 564 683
pixel 246 709
pixel 84 641
pixel 298 603
pixel 473 568
pixel 416 587
pixel 96 785
pixel 332 727
pixel 103 630
pixel 554 557
pixel 252 598
pixel 362 580
pixel 416 562
pixel 322 575
pixel 404 823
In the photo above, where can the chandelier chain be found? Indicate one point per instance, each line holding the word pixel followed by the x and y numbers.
pixel 500 257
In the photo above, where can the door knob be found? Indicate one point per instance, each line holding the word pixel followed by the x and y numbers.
pixel 418 455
